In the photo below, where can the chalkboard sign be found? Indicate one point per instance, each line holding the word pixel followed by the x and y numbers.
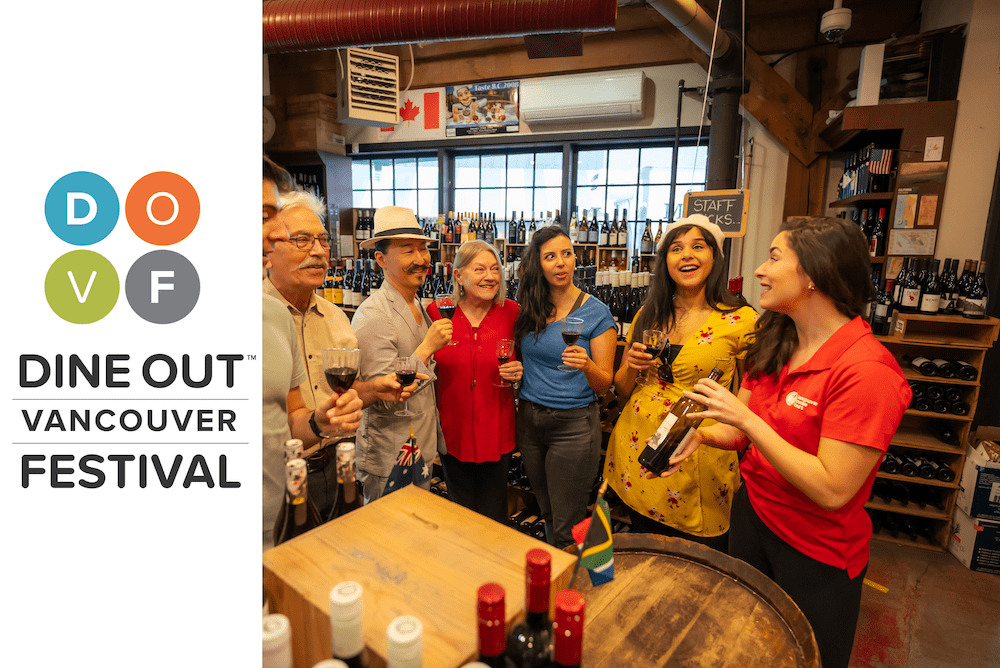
pixel 725 208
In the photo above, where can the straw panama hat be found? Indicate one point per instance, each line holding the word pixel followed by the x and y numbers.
pixel 394 222
pixel 701 221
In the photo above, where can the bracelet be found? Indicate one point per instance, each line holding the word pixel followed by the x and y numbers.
pixel 314 426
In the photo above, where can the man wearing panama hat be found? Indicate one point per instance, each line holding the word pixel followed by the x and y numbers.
pixel 391 324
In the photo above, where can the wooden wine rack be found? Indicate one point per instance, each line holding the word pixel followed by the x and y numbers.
pixel 952 338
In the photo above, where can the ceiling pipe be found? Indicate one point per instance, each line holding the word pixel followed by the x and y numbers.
pixel 698 26
pixel 313 25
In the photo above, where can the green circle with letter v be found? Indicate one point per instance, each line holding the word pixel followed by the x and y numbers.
pixel 81 287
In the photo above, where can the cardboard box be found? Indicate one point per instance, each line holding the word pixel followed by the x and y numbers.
pixel 317 106
pixel 979 488
pixel 308 134
pixel 975 542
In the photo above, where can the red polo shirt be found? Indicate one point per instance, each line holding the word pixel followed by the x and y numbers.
pixel 851 390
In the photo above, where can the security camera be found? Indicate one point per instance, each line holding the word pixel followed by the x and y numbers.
pixel 835 22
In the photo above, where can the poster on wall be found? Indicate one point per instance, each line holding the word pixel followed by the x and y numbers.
pixel 482 108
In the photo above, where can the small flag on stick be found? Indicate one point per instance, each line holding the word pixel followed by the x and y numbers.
pixel 409 468
pixel 593 539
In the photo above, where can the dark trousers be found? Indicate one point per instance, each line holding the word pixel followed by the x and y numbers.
pixel 828 598
pixel 643 524
pixel 561 451
pixel 478 486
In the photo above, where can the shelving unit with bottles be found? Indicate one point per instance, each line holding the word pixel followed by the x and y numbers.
pixel 921 134
pixel 951 338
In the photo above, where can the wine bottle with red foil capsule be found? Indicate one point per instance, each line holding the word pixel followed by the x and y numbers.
pixel 673 433
pixel 529 644
pixel 492 625
pixel 567 630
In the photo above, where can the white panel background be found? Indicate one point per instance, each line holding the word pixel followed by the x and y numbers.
pixel 125 577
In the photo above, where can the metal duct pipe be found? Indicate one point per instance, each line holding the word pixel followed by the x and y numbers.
pixel 698 26
pixel 311 25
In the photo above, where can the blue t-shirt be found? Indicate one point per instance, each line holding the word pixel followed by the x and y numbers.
pixel 543 382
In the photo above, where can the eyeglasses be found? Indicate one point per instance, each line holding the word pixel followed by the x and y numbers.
pixel 306 241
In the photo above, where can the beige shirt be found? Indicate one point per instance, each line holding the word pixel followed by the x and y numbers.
pixel 322 325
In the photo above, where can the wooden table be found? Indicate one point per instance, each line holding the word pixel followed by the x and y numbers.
pixel 677 603
pixel 414 553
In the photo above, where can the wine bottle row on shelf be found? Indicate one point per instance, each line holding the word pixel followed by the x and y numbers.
pixel 349 282
pixel 942 368
pixel 938 398
pixel 875 226
pixel 921 288
pixel 867 170
pixel 914 465
pixel 921 496
pixel 915 528
pixel 439 487
pixel 529 522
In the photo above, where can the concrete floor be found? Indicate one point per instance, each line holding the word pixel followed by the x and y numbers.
pixel 936 613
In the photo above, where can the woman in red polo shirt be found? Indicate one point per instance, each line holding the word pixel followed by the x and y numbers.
pixel 477 414
pixel 820 403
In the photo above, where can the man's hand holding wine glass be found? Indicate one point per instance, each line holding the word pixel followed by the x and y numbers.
pixel 387 388
pixel 340 414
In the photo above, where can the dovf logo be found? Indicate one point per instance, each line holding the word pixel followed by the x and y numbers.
pixel 82 209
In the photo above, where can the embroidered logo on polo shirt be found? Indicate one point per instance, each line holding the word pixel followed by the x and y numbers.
pixel 798 401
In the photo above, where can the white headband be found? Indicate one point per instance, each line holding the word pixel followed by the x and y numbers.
pixel 699 220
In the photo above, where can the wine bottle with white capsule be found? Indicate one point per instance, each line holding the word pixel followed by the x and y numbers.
pixel 331 663
pixel 277 641
pixel 405 643
pixel 346 615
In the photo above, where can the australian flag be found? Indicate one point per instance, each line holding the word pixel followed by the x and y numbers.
pixel 410 467
pixel 593 538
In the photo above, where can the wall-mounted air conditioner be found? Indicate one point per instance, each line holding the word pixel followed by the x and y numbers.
pixel 582 97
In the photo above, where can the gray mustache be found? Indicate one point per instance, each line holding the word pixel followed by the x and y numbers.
pixel 418 269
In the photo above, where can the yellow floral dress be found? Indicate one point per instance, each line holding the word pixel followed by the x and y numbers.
pixel 697 498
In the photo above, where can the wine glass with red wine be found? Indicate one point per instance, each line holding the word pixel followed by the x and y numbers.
pixel 406 374
pixel 571 329
pixel 653 339
pixel 340 365
pixel 446 307
pixel 505 350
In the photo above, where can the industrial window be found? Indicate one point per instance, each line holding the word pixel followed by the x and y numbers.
pixel 504 183
pixel 412 182
pixel 637 181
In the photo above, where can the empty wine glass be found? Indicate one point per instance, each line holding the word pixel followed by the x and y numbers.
pixel 654 340
pixel 505 350
pixel 571 329
pixel 446 307
pixel 406 374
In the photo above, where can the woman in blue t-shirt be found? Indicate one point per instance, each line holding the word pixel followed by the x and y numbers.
pixel 558 427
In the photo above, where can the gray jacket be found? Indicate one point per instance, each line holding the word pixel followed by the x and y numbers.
pixel 386 329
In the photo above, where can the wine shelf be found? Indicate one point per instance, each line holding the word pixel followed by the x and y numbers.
pixel 910 437
pixel 939 416
pixel 921 378
pixel 933 482
pixel 863 197
pixel 952 338
pixel 911 509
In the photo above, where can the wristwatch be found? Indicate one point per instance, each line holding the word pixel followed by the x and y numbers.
pixel 314 426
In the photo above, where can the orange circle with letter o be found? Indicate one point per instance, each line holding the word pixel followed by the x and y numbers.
pixel 162 208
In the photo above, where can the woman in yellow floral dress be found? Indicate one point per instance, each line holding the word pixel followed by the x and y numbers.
pixel 706 325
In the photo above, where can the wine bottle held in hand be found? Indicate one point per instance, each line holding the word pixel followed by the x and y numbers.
pixel 674 432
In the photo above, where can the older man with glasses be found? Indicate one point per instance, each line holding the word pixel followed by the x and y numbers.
pixel 299 264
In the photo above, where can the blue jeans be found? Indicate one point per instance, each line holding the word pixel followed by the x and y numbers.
pixel 561 451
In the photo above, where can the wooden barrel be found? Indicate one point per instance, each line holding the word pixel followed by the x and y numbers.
pixel 678 603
